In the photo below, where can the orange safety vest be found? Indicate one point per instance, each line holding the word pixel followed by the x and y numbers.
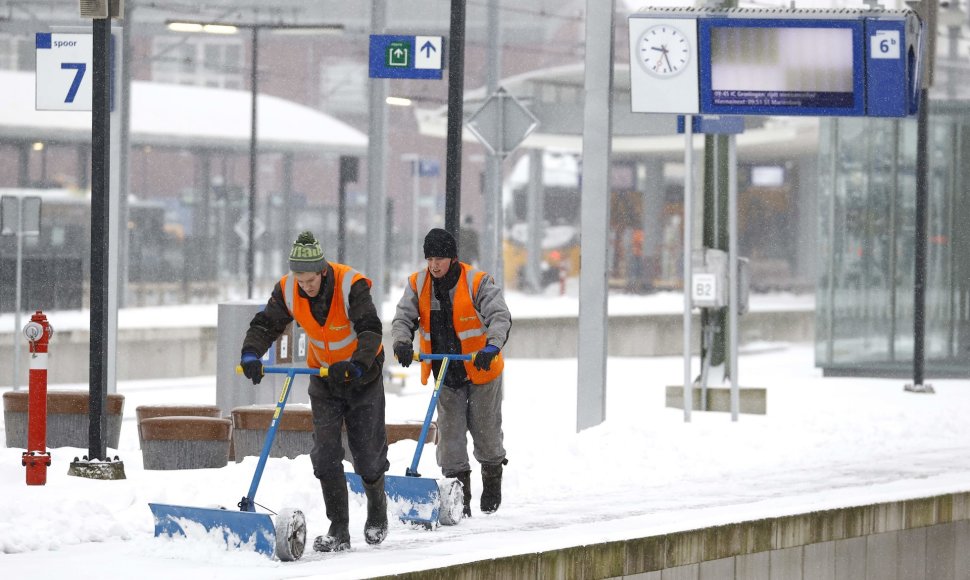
pixel 465 319
pixel 336 340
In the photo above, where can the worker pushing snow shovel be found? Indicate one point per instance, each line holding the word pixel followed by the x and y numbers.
pixel 286 538
pixel 458 309
pixel 422 500
pixel 332 303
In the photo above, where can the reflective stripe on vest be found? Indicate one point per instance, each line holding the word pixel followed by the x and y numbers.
pixel 466 321
pixel 336 340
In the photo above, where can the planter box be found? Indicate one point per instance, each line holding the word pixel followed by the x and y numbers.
pixel 185 442
pixel 68 418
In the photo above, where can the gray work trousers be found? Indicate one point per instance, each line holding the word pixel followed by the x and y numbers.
pixel 475 409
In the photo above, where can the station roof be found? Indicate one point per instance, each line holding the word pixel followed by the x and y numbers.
pixel 555 96
pixel 167 115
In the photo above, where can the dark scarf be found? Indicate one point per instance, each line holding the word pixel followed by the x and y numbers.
pixel 444 340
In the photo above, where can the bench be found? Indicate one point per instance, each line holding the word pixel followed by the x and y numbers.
pixel 68 418
pixel 294 435
pixel 185 442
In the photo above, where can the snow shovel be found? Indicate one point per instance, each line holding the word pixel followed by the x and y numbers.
pixel 287 538
pixel 425 501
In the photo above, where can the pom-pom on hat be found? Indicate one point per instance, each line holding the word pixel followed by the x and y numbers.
pixel 440 244
pixel 306 255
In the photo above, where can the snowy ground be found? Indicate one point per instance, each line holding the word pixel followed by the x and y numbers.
pixel 824 443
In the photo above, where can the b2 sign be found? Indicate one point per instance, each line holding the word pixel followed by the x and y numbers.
pixel 63 72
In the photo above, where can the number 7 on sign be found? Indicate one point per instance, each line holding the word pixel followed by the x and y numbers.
pixel 79 69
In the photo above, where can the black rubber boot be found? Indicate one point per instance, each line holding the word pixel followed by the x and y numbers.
pixel 338 512
pixel 491 486
pixel 465 477
pixel 375 528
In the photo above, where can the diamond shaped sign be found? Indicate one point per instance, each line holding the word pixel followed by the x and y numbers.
pixel 502 123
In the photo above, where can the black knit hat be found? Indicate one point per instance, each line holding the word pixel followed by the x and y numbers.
pixel 440 244
pixel 306 255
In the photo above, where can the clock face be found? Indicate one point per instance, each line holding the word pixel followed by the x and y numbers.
pixel 664 51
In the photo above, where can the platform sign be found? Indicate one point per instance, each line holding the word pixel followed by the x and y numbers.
pixel 405 57
pixel 776 62
pixel 63 71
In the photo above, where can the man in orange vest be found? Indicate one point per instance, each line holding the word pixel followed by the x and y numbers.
pixel 456 308
pixel 333 304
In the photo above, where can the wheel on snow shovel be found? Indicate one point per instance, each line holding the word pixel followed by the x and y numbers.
pixel 452 508
pixel 290 534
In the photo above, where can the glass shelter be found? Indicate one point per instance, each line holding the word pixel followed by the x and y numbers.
pixel 865 274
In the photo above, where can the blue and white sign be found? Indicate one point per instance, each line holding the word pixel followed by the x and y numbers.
pixel 405 57
pixel 63 72
pixel 428 168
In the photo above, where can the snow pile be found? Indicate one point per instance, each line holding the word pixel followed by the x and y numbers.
pixel 824 443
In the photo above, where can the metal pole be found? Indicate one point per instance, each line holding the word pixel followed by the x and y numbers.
pixel 415 194
pixel 100 190
pixel 688 239
pixel 492 234
pixel 732 227
pixel 534 214
pixel 124 144
pixel 342 213
pixel 377 145
pixel 595 213
pixel 456 98
pixel 17 300
pixel 251 226
pixel 919 248
pixel 834 169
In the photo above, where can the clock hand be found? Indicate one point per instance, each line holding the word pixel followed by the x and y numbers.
pixel 667 58
pixel 663 54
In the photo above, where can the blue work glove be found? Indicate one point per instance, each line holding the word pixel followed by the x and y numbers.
pixel 252 367
pixel 483 358
pixel 345 373
pixel 404 353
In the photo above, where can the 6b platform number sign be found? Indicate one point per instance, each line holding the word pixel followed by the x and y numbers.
pixel 63 72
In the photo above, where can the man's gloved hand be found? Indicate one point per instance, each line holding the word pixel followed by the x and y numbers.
pixel 483 358
pixel 404 353
pixel 345 373
pixel 252 367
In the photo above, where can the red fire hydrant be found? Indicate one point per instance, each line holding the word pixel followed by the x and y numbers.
pixel 36 459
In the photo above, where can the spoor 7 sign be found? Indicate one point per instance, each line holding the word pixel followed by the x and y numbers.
pixel 63 72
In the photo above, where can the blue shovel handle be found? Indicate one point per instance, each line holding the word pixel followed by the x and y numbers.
pixel 444 358
pixel 248 503
pixel 286 370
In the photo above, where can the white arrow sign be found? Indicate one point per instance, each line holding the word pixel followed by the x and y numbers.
pixel 428 52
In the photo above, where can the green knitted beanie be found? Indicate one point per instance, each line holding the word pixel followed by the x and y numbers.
pixel 306 255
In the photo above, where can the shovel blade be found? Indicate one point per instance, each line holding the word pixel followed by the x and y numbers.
pixel 238 528
pixel 416 499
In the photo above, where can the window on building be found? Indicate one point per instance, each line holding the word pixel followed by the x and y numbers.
pixel 16 52
pixel 203 61
pixel 343 87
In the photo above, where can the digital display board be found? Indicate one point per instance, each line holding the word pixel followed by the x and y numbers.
pixel 774 67
pixel 761 61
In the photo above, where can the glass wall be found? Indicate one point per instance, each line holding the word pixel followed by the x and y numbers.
pixel 867 196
